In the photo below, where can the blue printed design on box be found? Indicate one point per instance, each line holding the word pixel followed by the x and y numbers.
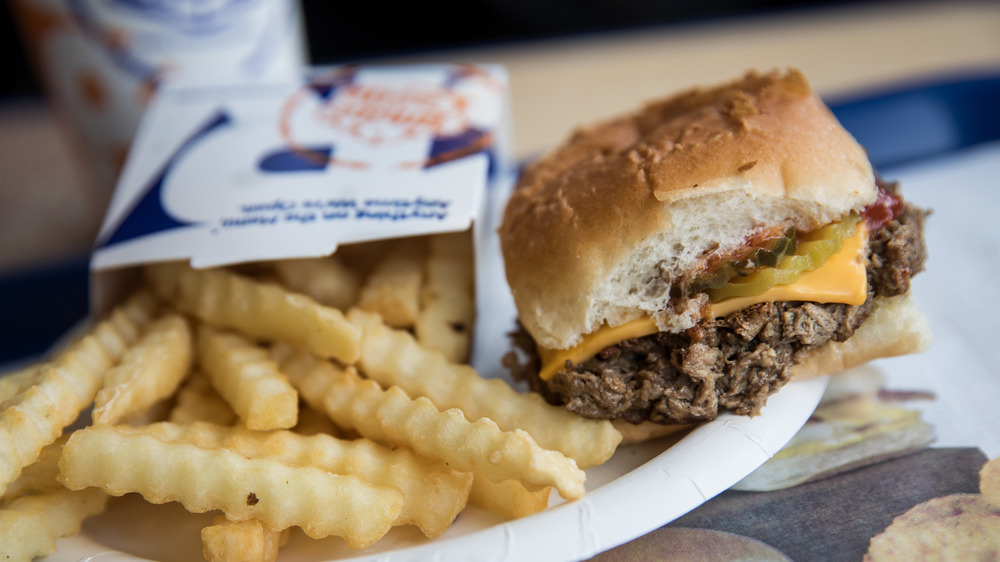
pixel 148 216
pixel 326 85
pixel 311 159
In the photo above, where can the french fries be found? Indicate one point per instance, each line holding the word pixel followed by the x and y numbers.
pixel 390 416
pixel 433 492
pixel 197 400
pixel 245 541
pixel 31 524
pixel 394 357
pixel 39 476
pixel 989 482
pixel 12 384
pixel 123 459
pixel 447 310
pixel 325 279
pixel 393 288
pixel 37 415
pixel 315 422
pixel 249 381
pixel 509 497
pixel 393 429
pixel 148 372
pixel 259 310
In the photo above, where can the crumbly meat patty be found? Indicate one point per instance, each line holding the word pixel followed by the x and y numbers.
pixel 732 363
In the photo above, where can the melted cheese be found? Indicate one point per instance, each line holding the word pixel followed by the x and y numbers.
pixel 841 279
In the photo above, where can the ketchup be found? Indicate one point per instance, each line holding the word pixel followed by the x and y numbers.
pixel 886 207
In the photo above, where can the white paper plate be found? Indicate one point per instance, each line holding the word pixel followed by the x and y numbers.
pixel 641 488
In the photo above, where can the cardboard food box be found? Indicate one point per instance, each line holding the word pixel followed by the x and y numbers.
pixel 239 173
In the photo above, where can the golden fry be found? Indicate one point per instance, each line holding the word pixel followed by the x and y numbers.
pixel 125 323
pixel 364 257
pixel 325 279
pixel 434 493
pixel 508 498
pixel 123 459
pixel 259 310
pixel 390 416
pixel 312 422
pixel 197 400
pixel 12 384
pixel 393 288
pixel 31 524
pixel 39 476
pixel 37 416
pixel 989 482
pixel 148 372
pixel 394 358
pixel 243 541
pixel 249 381
pixel 447 310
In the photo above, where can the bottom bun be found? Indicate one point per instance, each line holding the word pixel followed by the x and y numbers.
pixel 895 327
pixel 647 430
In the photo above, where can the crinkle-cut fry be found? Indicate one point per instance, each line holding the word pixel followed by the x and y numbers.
pixel 394 358
pixel 478 446
pixel 31 524
pixel 243 541
pixel 248 379
pixel 197 400
pixel 508 498
pixel 447 310
pixel 434 493
pixel 126 322
pixel 263 311
pixel 37 416
pixel 393 288
pixel 123 459
pixel 363 257
pixel 312 422
pixel 39 476
pixel 325 279
pixel 149 371
pixel 12 384
pixel 390 416
pixel 989 482
pixel 156 413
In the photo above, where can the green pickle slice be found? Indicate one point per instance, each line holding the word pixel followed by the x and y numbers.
pixel 769 256
pixel 811 251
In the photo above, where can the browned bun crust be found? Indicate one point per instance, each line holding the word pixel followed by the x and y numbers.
pixel 597 230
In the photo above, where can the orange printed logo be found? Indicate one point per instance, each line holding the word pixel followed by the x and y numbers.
pixel 377 115
pixel 339 120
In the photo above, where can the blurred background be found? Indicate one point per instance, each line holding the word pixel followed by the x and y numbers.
pixel 352 31
pixel 923 63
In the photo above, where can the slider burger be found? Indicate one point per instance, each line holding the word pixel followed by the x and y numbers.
pixel 698 254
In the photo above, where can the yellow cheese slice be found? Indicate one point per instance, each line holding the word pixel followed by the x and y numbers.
pixel 841 279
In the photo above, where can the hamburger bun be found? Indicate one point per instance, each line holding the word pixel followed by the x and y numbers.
pixel 616 243
pixel 592 232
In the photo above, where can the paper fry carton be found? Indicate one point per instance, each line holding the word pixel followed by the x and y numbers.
pixel 240 173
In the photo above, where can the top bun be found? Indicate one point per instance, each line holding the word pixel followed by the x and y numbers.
pixel 598 230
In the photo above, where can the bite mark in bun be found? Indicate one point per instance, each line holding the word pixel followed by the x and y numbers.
pixel 687 257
